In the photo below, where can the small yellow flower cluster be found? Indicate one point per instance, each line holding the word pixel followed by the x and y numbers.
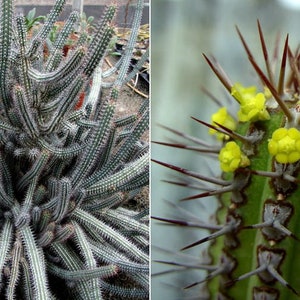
pixel 285 145
pixel 223 118
pixel 252 108
pixel 252 104
pixel 231 157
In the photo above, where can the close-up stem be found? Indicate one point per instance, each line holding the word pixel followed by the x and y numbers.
pixel 226 152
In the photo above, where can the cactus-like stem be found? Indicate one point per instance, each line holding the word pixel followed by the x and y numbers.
pixel 67 158
pixel 255 243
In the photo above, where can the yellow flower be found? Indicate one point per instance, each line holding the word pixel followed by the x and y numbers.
pixel 267 93
pixel 231 157
pixel 252 104
pixel 223 118
pixel 285 145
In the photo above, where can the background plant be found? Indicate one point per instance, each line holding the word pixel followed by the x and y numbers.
pixel 31 20
pixel 68 164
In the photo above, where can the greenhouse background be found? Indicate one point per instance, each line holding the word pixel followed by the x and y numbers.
pixel 90 7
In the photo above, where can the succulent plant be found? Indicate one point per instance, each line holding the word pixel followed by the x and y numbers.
pixel 254 238
pixel 69 163
pixel 31 20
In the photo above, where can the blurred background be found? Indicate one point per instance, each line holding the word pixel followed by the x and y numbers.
pixel 93 8
pixel 181 31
